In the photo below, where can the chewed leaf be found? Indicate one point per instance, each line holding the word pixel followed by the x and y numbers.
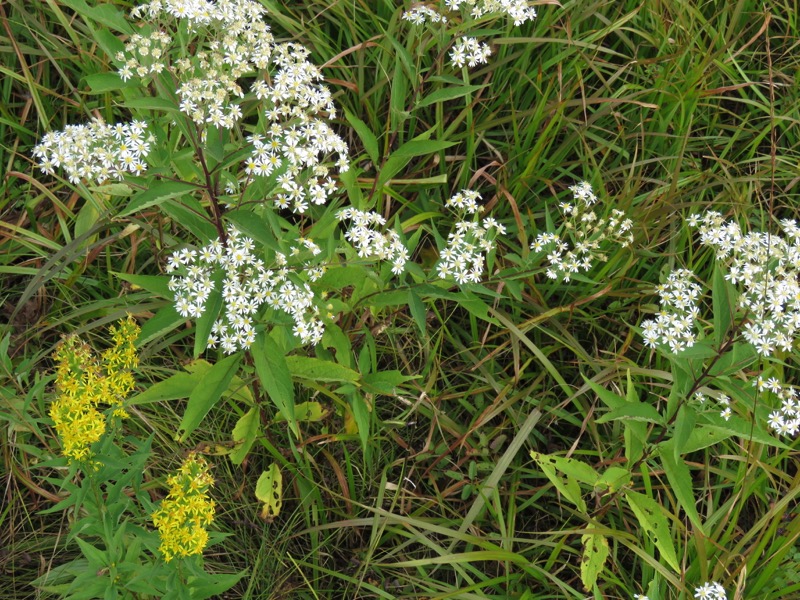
pixel 269 490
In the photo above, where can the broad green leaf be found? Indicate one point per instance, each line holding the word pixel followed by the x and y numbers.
pixel 96 557
pixel 699 351
pixel 385 382
pixel 403 155
pixel 305 412
pixel 190 217
pixel 269 490
pixel 448 93
pixel 155 284
pixel 740 356
pixel 105 14
pixel 653 521
pixel 158 193
pixel 418 312
pixel 205 396
pixel 316 369
pixel 638 411
pixel 680 481
pixel 723 299
pixel 205 323
pixel 156 327
pixel 595 553
pixel 275 378
pixel 153 103
pixel 684 426
pixel 608 397
pixel 361 417
pixel 365 135
pixel 613 479
pixel 179 385
pixel 245 433
pixel 101 83
pixel 565 474
pixel 212 585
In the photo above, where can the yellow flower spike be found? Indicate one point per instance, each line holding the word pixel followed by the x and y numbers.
pixel 83 383
pixel 186 511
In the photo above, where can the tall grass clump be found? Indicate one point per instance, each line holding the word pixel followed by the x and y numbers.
pixel 450 299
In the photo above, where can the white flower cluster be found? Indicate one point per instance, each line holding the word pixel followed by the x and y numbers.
pixel 590 232
pixel 235 42
pixel 785 421
pixel 144 55
pixel 469 51
pixel 674 325
pixel 768 268
pixel 370 243
pixel 423 14
pixel 96 151
pixel 247 285
pixel 306 145
pixel 463 258
pixel 710 591
pixel 722 400
pixel 518 10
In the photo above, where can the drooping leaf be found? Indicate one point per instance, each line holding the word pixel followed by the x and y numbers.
pixel 653 521
pixel 680 481
pixel 275 377
pixel 593 559
pixel 245 433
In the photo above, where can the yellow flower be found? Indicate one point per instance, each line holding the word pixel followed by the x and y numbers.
pixel 187 510
pixel 83 383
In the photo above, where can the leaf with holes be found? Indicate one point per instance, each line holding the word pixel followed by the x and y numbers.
pixel 269 490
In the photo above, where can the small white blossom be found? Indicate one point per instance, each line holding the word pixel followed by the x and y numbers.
pixel 469 52
pixel 710 591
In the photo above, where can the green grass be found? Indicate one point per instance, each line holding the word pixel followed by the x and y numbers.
pixel 667 109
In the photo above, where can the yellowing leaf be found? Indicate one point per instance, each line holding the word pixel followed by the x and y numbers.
pixel 269 489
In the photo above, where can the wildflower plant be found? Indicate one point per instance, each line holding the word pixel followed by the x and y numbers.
pixel 105 483
pixel 187 510
pixel 586 237
pixel 464 257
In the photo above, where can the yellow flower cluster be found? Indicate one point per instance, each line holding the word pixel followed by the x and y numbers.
pixel 83 383
pixel 187 510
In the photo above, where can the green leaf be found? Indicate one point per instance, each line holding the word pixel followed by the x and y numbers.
pixel 684 426
pixel 365 135
pixel 155 284
pixel 723 300
pixel 269 490
pixel 158 193
pixel 156 327
pixel 205 323
pixel 205 396
pixel 385 382
pixel 212 585
pixel 275 378
pixel 316 369
pixel 448 93
pixel 653 521
pixel 96 557
pixel 361 416
pixel 306 412
pixel 680 481
pixel 638 411
pixel 190 217
pixel 595 553
pixel 105 14
pixel 565 474
pixel 244 434
pixel 179 385
pixel 403 155
pixel 101 83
